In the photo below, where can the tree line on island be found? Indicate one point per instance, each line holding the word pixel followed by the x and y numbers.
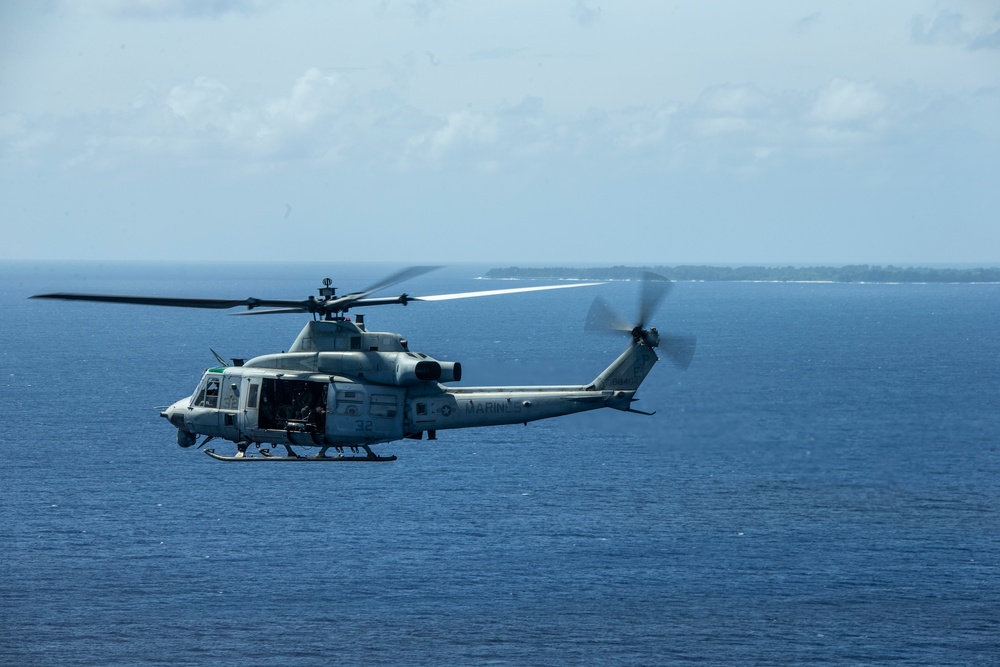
pixel 856 273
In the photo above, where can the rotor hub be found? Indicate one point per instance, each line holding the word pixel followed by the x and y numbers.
pixel 650 337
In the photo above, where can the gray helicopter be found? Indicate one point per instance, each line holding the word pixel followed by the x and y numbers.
pixel 343 387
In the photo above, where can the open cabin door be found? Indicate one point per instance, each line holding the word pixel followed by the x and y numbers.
pixel 296 408
pixel 365 413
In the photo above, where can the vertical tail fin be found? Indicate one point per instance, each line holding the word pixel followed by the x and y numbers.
pixel 628 371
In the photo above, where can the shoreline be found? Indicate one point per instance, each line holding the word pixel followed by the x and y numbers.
pixel 855 274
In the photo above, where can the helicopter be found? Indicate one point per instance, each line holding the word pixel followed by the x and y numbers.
pixel 342 387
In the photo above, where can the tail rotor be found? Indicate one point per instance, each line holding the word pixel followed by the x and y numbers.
pixel 655 288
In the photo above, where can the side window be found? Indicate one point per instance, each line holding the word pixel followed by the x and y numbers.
pixel 230 396
pixel 350 403
pixel 383 405
pixel 252 396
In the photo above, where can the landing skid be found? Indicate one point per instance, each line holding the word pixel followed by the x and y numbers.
pixel 267 456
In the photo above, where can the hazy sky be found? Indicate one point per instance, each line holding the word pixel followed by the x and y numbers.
pixel 501 132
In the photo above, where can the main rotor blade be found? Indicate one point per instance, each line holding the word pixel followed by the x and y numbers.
pixel 271 311
pixel 400 276
pixel 602 318
pixel 494 292
pixel 654 289
pixel 310 305
pixel 348 301
pixel 176 302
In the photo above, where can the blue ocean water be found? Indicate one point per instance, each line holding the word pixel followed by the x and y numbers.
pixel 820 487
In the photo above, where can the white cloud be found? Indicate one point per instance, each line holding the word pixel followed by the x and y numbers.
pixel 845 101
pixel 729 109
pixel 734 100
pixel 463 132
pixel 645 128
pixel 953 28
pixel 313 96
pixel 326 117
pixel 202 104
pixel 300 124
pixel 711 127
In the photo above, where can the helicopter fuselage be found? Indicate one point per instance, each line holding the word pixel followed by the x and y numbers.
pixel 342 386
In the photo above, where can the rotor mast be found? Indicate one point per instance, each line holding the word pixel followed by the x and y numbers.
pixel 327 294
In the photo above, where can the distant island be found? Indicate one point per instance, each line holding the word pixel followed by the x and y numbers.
pixel 858 273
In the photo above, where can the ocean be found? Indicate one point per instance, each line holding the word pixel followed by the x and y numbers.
pixel 820 487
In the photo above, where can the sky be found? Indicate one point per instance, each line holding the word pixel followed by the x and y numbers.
pixel 501 132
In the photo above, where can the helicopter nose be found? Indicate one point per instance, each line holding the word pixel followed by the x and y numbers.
pixel 175 413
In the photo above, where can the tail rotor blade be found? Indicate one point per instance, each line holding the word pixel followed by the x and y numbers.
pixel 602 318
pixel 678 349
pixel 654 290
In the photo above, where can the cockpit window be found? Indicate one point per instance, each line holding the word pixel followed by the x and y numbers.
pixel 208 396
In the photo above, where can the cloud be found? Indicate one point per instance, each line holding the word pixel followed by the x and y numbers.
pixel 806 23
pixel 203 104
pixel 584 14
pixel 325 117
pixel 842 102
pixel 730 109
pixel 314 95
pixel 954 29
pixel 716 126
pixel 18 140
pixel 465 133
pixel 464 128
pixel 523 134
pixel 644 129
pixel 737 126
pixel 207 120
pixel 733 100
pixel 421 10
pixel 153 10
pixel 273 127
